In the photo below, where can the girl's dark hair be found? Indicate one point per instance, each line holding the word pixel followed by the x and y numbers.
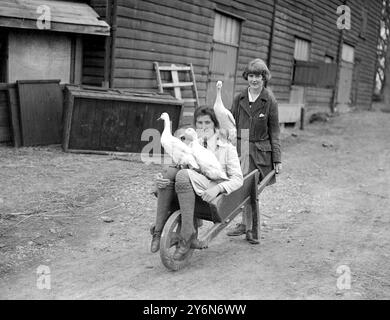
pixel 259 68
pixel 206 111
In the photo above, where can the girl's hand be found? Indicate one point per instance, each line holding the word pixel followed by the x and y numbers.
pixel 278 168
pixel 211 193
pixel 161 183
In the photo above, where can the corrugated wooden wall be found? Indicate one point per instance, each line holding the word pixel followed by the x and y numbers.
pixel 255 33
pixel 165 31
pixel 94 50
pixel 93 60
pixel 287 26
pixel 365 50
pixel 170 31
pixel 313 21
pixel 324 42
pixel 318 25
pixel 181 32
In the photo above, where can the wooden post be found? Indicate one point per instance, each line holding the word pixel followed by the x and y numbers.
pixel 113 42
pixel 271 40
pixel 302 118
pixel 159 82
pixel 333 108
pixel 194 88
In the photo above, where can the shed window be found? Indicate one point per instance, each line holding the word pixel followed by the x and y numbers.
pixel 302 50
pixel 226 29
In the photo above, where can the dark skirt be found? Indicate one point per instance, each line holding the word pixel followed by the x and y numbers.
pixel 260 159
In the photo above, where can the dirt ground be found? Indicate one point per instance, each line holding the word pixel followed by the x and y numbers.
pixel 87 218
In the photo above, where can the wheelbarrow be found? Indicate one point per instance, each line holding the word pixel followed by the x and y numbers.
pixel 221 211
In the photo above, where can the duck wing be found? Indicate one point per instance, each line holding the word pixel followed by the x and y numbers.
pixel 180 153
pixel 208 163
pixel 231 118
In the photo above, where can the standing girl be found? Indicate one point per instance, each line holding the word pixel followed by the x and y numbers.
pixel 256 113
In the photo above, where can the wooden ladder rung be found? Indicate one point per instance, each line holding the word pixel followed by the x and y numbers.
pixel 188 113
pixel 167 68
pixel 189 100
pixel 177 84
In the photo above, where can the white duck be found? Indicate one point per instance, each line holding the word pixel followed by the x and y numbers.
pixel 180 153
pixel 208 162
pixel 224 116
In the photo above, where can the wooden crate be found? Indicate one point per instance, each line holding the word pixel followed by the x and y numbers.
pixel 291 113
pixel 114 120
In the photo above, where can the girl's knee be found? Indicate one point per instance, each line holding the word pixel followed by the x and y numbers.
pixel 182 176
pixel 170 173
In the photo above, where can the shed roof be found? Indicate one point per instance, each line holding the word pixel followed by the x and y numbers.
pixel 123 94
pixel 65 16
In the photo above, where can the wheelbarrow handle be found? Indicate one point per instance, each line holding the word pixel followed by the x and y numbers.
pixel 265 181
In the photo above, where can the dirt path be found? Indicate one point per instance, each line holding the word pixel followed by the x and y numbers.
pixel 330 208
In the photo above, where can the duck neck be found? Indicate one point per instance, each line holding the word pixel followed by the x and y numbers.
pixel 219 96
pixel 167 127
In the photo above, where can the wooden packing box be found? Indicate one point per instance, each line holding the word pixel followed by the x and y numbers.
pixel 114 119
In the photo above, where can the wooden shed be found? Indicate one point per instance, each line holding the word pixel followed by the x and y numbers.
pixel 308 55
pixel 41 40
pixel 311 59
pixel 342 60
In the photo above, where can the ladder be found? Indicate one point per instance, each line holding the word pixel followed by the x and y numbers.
pixel 177 85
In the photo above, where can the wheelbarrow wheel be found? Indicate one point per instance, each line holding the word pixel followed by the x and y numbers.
pixel 170 241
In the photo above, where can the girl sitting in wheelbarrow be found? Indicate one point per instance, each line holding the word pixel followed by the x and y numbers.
pixel 187 183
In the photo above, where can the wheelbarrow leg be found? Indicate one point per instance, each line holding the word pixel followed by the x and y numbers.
pixel 254 204
pixel 256 190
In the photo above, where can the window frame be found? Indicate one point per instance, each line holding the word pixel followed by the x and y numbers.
pixel 238 30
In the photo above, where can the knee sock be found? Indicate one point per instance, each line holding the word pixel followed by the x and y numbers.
pixel 164 200
pixel 186 196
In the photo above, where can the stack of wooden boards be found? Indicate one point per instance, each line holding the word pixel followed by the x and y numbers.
pixel 35 112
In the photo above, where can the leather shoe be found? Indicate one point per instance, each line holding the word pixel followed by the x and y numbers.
pixel 250 239
pixel 183 248
pixel 237 231
pixel 156 237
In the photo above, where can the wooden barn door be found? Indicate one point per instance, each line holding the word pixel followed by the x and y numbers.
pixel 223 60
pixel 346 73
